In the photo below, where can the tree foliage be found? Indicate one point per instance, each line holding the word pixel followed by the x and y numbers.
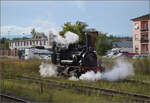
pixel 36 34
pixel 4 43
pixel 33 32
pixel 23 38
pixel 103 44
pixel 78 28
pixel 17 39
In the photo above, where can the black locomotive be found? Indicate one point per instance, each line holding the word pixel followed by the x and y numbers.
pixel 76 59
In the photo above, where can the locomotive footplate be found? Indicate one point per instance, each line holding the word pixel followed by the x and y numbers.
pixel 77 71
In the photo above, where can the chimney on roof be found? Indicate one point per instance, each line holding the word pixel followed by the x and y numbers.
pixel 49 35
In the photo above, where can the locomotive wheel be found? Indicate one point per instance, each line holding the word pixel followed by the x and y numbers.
pixel 78 73
pixel 73 72
pixel 70 70
pixel 60 70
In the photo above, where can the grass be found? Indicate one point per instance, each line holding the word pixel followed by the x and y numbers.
pixel 117 85
pixel 142 66
pixel 53 94
pixel 23 88
pixel 141 77
pixel 23 67
pixel 31 68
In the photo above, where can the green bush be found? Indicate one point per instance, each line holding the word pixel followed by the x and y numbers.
pixel 142 65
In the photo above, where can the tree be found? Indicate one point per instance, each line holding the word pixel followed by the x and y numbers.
pixel 40 35
pixel 4 43
pixel 103 44
pixel 36 34
pixel 33 32
pixel 23 38
pixel 16 38
pixel 78 28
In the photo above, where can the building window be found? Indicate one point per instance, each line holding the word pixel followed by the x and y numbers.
pixel 144 25
pixel 136 25
pixel 136 48
pixel 136 36
pixel 27 43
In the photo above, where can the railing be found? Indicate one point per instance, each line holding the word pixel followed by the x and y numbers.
pixel 144 29
pixel 144 52
pixel 144 41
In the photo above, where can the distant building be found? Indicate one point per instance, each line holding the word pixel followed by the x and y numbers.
pixel 141 34
pixel 124 45
pixel 27 43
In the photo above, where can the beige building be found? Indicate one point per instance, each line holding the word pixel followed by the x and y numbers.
pixel 27 43
pixel 141 34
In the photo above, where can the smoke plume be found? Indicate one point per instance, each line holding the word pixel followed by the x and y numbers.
pixel 121 70
pixel 91 76
pixel 48 70
pixel 68 38
pixel 73 78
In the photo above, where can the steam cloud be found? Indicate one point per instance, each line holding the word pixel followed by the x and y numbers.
pixel 73 78
pixel 68 38
pixel 121 70
pixel 48 70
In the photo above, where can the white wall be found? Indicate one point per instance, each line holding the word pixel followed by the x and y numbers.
pixel 21 45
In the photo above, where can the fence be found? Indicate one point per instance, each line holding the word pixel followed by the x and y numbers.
pixel 8 52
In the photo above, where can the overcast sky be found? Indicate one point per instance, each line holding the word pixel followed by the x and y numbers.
pixel 112 17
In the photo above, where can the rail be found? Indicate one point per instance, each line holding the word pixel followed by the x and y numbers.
pixel 12 98
pixel 82 89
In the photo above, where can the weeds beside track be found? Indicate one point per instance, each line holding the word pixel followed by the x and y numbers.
pixel 9 98
pixel 82 89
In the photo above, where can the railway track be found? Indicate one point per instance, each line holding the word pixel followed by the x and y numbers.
pixel 137 81
pixel 89 89
pixel 5 98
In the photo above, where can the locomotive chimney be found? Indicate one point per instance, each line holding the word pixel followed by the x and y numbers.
pixel 88 41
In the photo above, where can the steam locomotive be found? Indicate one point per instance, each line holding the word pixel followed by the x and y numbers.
pixel 76 59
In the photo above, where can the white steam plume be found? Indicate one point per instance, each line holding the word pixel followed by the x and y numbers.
pixel 48 70
pixel 68 38
pixel 73 78
pixel 121 70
